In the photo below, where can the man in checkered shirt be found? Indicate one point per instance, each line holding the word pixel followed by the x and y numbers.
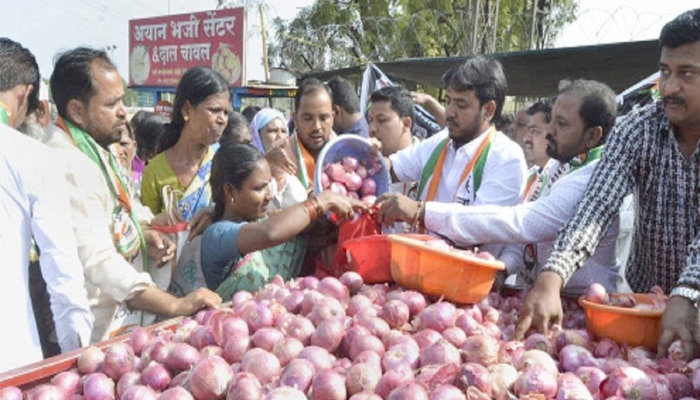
pixel 653 154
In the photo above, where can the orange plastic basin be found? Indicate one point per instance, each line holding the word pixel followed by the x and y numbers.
pixel 624 325
pixel 370 256
pixel 456 277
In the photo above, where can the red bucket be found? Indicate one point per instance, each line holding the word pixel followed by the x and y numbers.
pixel 370 256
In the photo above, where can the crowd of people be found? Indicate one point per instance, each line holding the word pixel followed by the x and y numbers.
pixel 549 190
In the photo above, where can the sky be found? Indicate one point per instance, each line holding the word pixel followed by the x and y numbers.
pixel 47 27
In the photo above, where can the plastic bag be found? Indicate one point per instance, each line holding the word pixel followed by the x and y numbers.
pixel 364 224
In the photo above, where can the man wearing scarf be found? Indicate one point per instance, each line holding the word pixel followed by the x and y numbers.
pixel 114 242
pixel 582 116
pixel 33 204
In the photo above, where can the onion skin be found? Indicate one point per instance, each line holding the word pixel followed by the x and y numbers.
pixel 210 378
pixel 67 381
pixel 409 391
pixel 244 386
pixel 176 393
pixel 362 377
pixel 119 359
pixel 298 373
pixel 98 386
pixel 329 385
pixel 90 360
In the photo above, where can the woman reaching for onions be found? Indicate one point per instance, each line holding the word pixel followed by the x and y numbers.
pixel 245 246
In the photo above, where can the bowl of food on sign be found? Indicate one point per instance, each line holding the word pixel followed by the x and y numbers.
pixel 346 166
pixel 435 268
pixel 627 318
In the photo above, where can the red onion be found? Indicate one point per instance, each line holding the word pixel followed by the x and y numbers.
pixel 337 187
pixel 155 376
pixel 126 381
pixel 332 287
pixel 263 364
pixel 447 392
pixel 90 360
pixel 244 386
pixel 300 328
pixel 362 171
pixel 367 342
pixel 680 385
pixel 210 378
pixel 328 334
pixel 329 385
pixel 395 313
pixel 287 349
pixel 180 379
pixel 298 373
pixel 119 359
pixel 438 316
pixel 408 391
pixel 138 339
pixel 433 376
pixel 328 308
pixel 211 350
pixel 502 378
pixel 353 182
pixel 310 299
pixel 97 386
pixel 285 393
pixel 181 357
pixel 455 336
pixel 362 377
pixel 46 392
pixel 259 316
pixel 369 200
pixel 325 181
pixel 10 393
pixel 350 163
pixel 67 381
pixel 511 352
pixel 401 354
pixel 426 337
pixel 176 393
pixel 308 282
pixel 441 352
pixel 469 324
pixel 232 326
pixel 319 357
pixel 139 392
pixel 535 380
pixel 240 297
pixel 369 187
pixel 335 172
pixel 293 302
pixel 266 338
pixel 368 357
pixel 540 342
pixel 473 374
pixel 572 388
pixel 351 334
pixel 392 379
pixel 596 293
pixel 481 349
pixel 573 356
pixel 236 347
pixel 591 377
pixel 540 359
pixel 352 280
pixel 629 382
pixel 565 337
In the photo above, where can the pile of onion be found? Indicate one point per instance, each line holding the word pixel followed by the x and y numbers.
pixel 351 178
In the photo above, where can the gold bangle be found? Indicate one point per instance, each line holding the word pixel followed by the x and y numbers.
pixel 416 218
pixel 309 210
pixel 319 207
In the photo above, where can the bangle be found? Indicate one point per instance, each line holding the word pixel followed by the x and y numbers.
pixel 309 209
pixel 318 205
pixel 416 218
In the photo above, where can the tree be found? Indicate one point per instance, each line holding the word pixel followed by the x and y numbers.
pixel 339 33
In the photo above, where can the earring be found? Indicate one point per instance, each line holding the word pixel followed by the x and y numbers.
pixel 233 200
pixel 186 117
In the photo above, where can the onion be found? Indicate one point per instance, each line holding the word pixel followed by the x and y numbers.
pixel 369 200
pixel 310 299
pixel 232 326
pixel 365 396
pixel 138 339
pixel 438 316
pixel 352 280
pixel 455 336
pixel 97 386
pixel 375 325
pixel 369 187
pixel 573 356
pixel 447 392
pixel 392 379
pixel 46 392
pixel 181 357
pixel 236 347
pixel 67 381
pixel 680 385
pixel 408 391
pixel 285 393
pixel 155 376
pixel 596 293
pixel 210 378
pixel 441 352
pixel 298 373
pixel 328 334
pixel 540 342
pixel 293 302
pixel 540 359
pixel 329 385
pixel 511 352
pixel 126 381
pixel 263 364
pixel 535 380
pixel 266 338
pixel 259 316
pixel 351 334
pixel 337 187
pixel 367 342
pixel 482 349
pixel 319 357
pixel 211 350
pixel 350 163
pixel 353 182
pixel 362 171
pixel 367 357
pixel 334 288
pixel 244 386
pixel 119 359
pixel 325 181
pixel 176 393
pixel 240 298
pixel 180 379
pixel 572 388
pixel 362 377
pixel 287 349
pixel 502 377
pixel 395 313
pixel 401 354
pixel 629 382
pixel 433 376
pixel 326 309
pixel 426 338
pixel 335 172
pixel 139 392
pixel 572 336
pixel 300 328
pixel 591 377
pixel 473 374
pixel 10 393
pixel 90 360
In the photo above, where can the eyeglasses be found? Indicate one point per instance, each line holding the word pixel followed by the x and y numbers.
pixel 535 130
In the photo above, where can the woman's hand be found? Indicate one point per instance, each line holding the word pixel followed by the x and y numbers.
pixel 163 219
pixel 340 205
pixel 200 222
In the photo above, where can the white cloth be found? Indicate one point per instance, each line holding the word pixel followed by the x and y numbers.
pixel 502 183
pixel 34 203
pixel 533 222
pixel 109 278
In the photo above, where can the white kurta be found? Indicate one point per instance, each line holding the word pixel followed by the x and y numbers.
pixel 109 278
pixel 34 203
pixel 533 222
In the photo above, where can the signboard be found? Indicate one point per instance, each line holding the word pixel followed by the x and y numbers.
pixel 161 49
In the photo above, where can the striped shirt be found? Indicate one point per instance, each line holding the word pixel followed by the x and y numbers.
pixel 642 157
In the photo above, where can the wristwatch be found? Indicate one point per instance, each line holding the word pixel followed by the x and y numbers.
pixel 687 293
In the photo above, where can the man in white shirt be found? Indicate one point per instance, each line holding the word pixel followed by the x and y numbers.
pixel 33 204
pixel 107 219
pixel 469 163
pixel 582 117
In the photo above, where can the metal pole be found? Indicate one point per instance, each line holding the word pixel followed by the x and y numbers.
pixel 263 30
